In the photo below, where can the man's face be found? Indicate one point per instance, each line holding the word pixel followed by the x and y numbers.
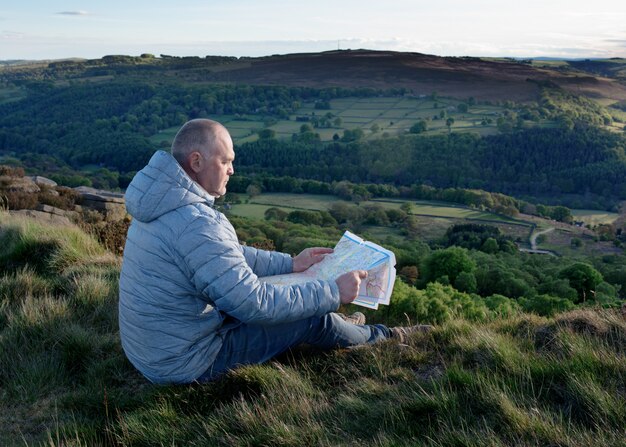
pixel 216 167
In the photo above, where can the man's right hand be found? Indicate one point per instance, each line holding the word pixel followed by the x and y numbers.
pixel 348 284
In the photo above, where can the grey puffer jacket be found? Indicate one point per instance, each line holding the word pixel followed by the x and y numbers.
pixel 184 272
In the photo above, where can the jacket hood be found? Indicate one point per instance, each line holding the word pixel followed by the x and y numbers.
pixel 162 186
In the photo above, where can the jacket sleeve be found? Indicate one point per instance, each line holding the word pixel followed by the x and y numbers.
pixel 267 263
pixel 219 271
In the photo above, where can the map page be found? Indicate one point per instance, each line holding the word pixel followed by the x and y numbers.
pixel 351 253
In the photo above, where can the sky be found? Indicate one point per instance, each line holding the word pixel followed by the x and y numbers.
pixel 498 28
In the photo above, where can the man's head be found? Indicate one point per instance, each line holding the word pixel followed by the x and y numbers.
pixel 204 149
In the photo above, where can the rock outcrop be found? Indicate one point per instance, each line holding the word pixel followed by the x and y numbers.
pixel 110 204
pixel 43 181
pixel 19 184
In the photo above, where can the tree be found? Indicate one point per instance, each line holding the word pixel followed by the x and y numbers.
pixel 466 282
pixel 449 262
pixel 562 214
pixel 409 274
pixel 352 135
pixel 305 217
pixel 462 107
pixel 253 190
pixel 322 105
pixel 407 207
pixel 267 134
pixel 275 214
pixel 419 127
pixel 504 126
pixel 582 277
pixel 449 123
pixel 546 305
pixel 490 246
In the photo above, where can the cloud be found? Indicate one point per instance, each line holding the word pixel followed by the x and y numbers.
pixel 73 13
pixel 11 35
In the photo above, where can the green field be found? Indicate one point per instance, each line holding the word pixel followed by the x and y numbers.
pixel 300 201
pixel 433 218
pixel 253 210
pixel 448 210
pixel 427 209
pixel 594 217
pixel 393 115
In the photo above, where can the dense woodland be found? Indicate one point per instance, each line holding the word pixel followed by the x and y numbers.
pixel 533 162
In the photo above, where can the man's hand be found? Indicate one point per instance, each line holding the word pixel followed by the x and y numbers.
pixel 348 284
pixel 308 257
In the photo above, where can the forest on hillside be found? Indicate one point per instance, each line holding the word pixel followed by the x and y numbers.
pixel 92 122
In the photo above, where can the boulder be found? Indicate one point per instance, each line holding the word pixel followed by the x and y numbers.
pixel 56 211
pixel 110 204
pixel 43 216
pixel 43 181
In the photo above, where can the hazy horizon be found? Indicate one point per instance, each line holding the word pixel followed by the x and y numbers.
pixel 160 54
pixel 36 30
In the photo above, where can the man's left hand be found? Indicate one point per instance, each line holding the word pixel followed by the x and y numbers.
pixel 308 257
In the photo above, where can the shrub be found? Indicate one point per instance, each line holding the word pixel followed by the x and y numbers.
pixel 66 198
pixel 449 262
pixel 436 304
pixel 19 200
pixel 546 305
pixel 11 171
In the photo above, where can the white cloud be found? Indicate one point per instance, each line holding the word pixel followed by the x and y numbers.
pixel 73 13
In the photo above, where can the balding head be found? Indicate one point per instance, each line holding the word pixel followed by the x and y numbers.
pixel 199 135
pixel 205 151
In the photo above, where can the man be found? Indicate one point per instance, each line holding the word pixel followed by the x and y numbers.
pixel 191 304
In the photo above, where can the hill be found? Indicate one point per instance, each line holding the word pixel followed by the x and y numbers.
pixel 97 121
pixel 497 379
pixel 459 77
pixel 450 76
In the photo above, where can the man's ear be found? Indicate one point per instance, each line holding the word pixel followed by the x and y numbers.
pixel 195 161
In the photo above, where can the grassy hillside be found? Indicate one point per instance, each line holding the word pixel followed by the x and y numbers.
pixel 512 379
pixel 378 117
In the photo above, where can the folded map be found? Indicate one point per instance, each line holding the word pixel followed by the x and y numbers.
pixel 351 253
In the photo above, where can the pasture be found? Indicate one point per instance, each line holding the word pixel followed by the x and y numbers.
pixel 377 117
pixel 419 207
pixel 447 210
pixel 594 217
pixel 433 218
